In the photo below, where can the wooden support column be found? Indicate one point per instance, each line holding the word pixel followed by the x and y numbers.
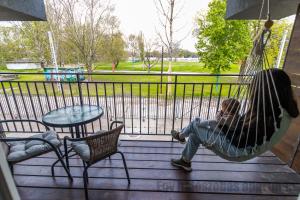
pixel 288 149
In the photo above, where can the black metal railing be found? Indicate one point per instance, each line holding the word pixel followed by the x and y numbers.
pixel 147 105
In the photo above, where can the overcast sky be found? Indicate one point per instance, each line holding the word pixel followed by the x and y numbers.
pixel 141 15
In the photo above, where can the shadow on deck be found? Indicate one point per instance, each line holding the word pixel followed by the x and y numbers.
pixel 152 176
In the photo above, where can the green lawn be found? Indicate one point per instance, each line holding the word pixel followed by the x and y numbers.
pixel 142 85
pixel 176 67
pixel 148 88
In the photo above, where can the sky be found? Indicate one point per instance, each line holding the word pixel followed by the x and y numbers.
pixel 141 15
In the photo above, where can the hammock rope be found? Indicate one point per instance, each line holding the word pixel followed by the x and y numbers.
pixel 259 104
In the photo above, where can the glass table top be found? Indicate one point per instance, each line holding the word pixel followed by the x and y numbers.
pixel 72 115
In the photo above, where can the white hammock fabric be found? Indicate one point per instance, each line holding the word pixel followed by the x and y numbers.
pixel 257 95
pixel 249 153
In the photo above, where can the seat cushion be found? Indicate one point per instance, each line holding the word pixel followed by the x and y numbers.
pixel 82 149
pixel 22 150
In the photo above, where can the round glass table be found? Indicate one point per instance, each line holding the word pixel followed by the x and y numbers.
pixel 73 116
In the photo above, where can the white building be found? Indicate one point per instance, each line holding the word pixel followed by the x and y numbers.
pixel 23 64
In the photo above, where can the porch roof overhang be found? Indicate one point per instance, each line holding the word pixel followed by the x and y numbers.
pixel 250 9
pixel 16 10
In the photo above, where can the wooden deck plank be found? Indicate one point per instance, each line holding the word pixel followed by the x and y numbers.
pixel 197 158
pixel 161 185
pixel 59 194
pixel 237 167
pixel 164 174
pixel 171 150
pixel 152 176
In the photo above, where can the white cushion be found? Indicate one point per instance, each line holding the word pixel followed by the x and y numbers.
pixel 22 150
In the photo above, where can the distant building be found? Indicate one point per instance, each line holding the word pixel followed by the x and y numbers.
pixel 23 64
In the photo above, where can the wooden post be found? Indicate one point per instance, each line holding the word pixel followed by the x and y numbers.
pixel 288 149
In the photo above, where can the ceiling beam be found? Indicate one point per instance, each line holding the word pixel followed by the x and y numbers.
pixel 250 9
pixel 22 10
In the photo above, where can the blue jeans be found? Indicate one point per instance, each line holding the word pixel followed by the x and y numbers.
pixel 208 134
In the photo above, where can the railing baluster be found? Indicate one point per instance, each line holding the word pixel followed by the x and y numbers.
pixel 219 98
pixel 88 92
pixel 8 105
pixel 131 106
pixel 16 104
pixel 123 107
pixel 157 106
pixel 63 94
pixel 115 106
pixel 3 114
pixel 71 93
pixel 25 105
pixel 209 102
pixel 192 102
pixel 174 103
pixel 47 97
pixel 106 107
pixel 166 104
pixel 229 92
pixel 201 100
pixel 32 105
pixel 55 100
pixel 39 98
pixel 98 104
pixel 140 98
pixel 54 94
pixel 182 107
pixel 148 112
pixel 79 88
pixel 89 102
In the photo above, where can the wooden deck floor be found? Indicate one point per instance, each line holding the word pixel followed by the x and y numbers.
pixel 152 177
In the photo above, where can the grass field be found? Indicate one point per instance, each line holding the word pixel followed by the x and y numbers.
pixel 141 82
pixel 176 67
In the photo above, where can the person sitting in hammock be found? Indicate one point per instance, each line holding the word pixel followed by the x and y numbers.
pixel 254 128
pixel 226 117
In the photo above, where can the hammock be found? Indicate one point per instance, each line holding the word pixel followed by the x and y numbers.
pixel 259 101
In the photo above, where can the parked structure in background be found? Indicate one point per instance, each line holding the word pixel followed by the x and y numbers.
pixel 73 72
pixel 23 64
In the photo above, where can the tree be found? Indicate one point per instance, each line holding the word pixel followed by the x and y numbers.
pixel 35 39
pixel 273 46
pixel 187 54
pixel 66 51
pixel 11 47
pixel 86 30
pixel 151 57
pixel 169 12
pixel 133 46
pixel 24 40
pixel 113 43
pixel 221 42
pixel 141 46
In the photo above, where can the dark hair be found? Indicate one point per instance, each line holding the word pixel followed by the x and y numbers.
pixel 232 105
pixel 284 91
pixel 273 85
pixel 268 90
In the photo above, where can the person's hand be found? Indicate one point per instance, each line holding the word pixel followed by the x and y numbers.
pixel 221 112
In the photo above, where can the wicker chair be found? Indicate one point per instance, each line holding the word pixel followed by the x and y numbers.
pixel 96 147
pixel 18 149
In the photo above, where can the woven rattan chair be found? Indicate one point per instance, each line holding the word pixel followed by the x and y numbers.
pixel 96 147
pixel 18 149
